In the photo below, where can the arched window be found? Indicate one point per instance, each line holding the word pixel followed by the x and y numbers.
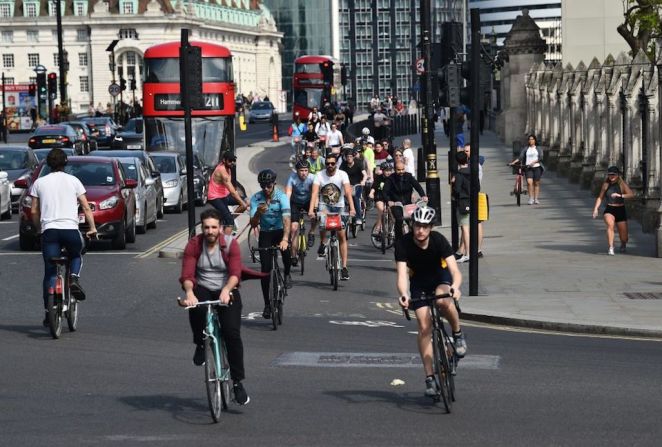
pixel 130 65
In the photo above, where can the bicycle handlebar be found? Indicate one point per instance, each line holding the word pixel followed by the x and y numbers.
pixel 206 303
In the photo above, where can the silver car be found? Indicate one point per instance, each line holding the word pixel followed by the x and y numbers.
pixel 5 196
pixel 260 111
pixel 172 167
pixel 146 196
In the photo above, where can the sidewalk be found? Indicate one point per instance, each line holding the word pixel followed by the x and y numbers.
pixel 546 266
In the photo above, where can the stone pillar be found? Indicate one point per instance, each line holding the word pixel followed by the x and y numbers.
pixel 525 48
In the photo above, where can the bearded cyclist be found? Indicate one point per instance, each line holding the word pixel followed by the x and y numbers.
pixel 298 189
pixel 425 264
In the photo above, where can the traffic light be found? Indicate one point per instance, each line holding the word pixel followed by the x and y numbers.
pixel 465 92
pixel 52 85
pixel 343 75
pixel 122 84
pixel 453 84
pixel 327 72
pixel 133 83
pixel 32 89
pixel 41 85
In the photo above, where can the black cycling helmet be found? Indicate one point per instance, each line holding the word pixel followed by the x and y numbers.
pixel 386 166
pixel 266 176
pixel 301 164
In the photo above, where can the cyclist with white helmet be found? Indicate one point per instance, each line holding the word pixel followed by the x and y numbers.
pixel 298 189
pixel 425 264
pixel 365 137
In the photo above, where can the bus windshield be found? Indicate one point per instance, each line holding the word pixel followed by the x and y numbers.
pixel 214 69
pixel 308 68
pixel 308 97
pixel 210 136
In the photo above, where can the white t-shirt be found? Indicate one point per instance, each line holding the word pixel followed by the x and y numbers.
pixel 532 157
pixel 328 193
pixel 333 138
pixel 58 194
pixel 410 165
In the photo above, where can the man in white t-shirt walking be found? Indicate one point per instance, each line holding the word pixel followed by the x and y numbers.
pixel 408 154
pixel 55 199
pixel 330 189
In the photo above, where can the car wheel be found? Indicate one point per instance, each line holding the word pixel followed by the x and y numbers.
pixel 131 231
pixel 152 224
pixel 180 204
pixel 119 241
pixel 159 210
pixel 142 229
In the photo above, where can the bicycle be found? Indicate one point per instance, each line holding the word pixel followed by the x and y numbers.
pixel 386 236
pixel 333 224
pixel 445 357
pixel 277 290
pixel 302 239
pixel 217 367
pixel 253 239
pixel 351 223
pixel 518 190
pixel 407 211
pixel 60 302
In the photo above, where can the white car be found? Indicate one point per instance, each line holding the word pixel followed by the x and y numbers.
pixel 5 196
pixel 146 196
pixel 172 166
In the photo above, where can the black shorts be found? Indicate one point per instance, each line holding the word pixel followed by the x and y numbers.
pixel 618 212
pixel 427 287
pixel 534 173
pixel 297 209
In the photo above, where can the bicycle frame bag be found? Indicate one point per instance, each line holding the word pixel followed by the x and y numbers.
pixel 333 222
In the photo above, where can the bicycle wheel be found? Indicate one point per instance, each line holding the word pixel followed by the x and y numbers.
pixel 54 304
pixel 441 369
pixel 212 380
pixel 384 232
pixel 72 313
pixel 225 377
pixel 376 240
pixel 302 251
pixel 334 268
pixel 452 366
pixel 252 245
pixel 281 301
pixel 273 299
pixel 518 190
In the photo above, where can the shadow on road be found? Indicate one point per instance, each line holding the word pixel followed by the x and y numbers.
pixel 189 411
pixel 411 402
pixel 36 331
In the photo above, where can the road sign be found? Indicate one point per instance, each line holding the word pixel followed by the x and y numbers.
pixel 114 89
pixel 420 66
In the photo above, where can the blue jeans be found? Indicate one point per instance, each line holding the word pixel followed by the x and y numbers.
pixel 358 191
pixel 52 242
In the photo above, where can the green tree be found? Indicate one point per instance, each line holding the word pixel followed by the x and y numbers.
pixel 642 25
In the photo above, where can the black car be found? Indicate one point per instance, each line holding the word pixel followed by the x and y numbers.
pixel 56 135
pixel 151 168
pixel 18 162
pixel 106 128
pixel 201 175
pixel 85 134
pixel 130 137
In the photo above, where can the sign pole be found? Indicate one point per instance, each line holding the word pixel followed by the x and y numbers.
pixel 186 103
pixel 474 141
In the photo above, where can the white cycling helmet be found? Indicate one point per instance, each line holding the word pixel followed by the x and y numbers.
pixel 365 131
pixel 423 215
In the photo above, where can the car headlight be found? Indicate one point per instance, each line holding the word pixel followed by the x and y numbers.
pixel 109 203
pixel 170 183
pixel 118 138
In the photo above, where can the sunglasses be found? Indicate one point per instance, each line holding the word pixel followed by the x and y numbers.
pixel 333 163
pixel 266 185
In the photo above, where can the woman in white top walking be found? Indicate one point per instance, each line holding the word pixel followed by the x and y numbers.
pixel 531 159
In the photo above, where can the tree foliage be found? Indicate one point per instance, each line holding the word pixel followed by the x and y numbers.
pixel 642 25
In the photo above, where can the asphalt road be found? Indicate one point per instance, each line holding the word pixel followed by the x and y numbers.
pixel 126 377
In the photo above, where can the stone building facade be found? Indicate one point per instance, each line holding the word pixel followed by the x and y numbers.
pixel 29 38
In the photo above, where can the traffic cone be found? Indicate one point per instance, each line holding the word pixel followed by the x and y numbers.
pixel 275 133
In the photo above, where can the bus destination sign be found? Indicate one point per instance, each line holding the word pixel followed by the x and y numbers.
pixel 173 102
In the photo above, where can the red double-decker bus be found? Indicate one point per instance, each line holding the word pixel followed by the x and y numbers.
pixel 314 83
pixel 213 127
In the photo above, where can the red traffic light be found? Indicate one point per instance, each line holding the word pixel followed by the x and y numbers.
pixel 52 76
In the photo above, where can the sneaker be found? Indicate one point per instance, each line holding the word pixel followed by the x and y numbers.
pixel 240 395
pixel 464 258
pixel 199 355
pixel 295 260
pixel 536 202
pixel 611 251
pixel 431 387
pixel 76 290
pixel 530 201
pixel 458 256
pixel 266 313
pixel 344 274
pixel 480 254
pixel 311 240
pixel 288 282
pixel 321 251
pixel 623 247
pixel 460 345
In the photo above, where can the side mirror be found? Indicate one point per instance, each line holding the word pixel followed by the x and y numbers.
pixel 130 183
pixel 18 183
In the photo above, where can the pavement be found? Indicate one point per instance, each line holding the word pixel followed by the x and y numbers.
pixel 545 266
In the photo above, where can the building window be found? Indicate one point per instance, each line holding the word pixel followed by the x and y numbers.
pixel 8 60
pixel 56 60
pixel 128 33
pixel 8 36
pixel 33 35
pixel 81 35
pixel 79 9
pixel 30 9
pixel 52 8
pixel 33 80
pixel 33 59
pixel 128 7
pixel 82 59
pixel 5 10
pixel 84 84
pixel 9 81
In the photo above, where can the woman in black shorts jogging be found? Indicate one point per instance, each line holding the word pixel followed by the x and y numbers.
pixel 614 190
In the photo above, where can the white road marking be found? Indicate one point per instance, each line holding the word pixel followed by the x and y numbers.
pixel 10 237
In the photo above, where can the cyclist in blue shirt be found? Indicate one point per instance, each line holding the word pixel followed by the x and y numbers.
pixel 270 209
pixel 298 189
pixel 296 131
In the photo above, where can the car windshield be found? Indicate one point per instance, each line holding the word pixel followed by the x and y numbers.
pixel 134 125
pixel 99 121
pixel 261 106
pixel 165 164
pixel 89 173
pixel 130 168
pixel 51 130
pixel 42 153
pixel 13 160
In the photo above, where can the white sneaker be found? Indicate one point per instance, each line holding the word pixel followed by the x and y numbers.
pixel 464 258
pixel 611 251
pixel 530 201
pixel 535 202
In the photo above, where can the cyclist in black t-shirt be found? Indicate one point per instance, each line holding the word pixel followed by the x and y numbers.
pixel 425 260
pixel 357 177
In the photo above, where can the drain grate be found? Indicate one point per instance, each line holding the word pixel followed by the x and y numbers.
pixel 643 295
